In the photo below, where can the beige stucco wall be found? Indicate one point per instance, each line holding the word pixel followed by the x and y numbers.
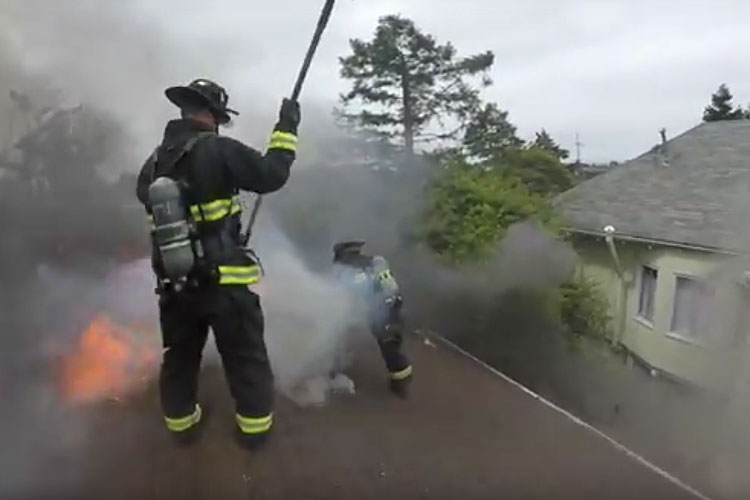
pixel 711 364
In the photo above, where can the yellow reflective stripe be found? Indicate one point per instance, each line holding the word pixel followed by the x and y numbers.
pixel 283 140
pixel 386 277
pixel 249 425
pixel 400 375
pixel 184 423
pixel 150 221
pixel 215 210
pixel 239 275
pixel 211 211
pixel 236 206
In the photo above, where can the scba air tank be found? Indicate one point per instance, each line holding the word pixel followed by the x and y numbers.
pixel 172 229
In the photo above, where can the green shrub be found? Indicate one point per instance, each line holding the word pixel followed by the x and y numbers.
pixel 469 209
pixel 584 310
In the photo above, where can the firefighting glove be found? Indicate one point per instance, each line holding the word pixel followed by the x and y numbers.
pixel 289 116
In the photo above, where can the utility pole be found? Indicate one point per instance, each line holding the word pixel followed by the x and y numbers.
pixel 579 145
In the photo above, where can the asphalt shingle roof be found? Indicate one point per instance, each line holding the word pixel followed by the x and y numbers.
pixel 701 198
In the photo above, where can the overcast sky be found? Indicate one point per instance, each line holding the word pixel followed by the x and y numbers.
pixel 613 71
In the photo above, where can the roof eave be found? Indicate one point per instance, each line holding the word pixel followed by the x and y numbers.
pixel 651 241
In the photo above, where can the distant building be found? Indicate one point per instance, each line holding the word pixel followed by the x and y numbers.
pixel 667 235
pixel 586 171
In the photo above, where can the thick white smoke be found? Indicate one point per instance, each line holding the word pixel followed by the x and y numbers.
pixel 308 317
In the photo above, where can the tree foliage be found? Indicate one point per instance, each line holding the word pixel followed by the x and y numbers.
pixel 722 108
pixel 545 142
pixel 469 210
pixel 405 82
pixel 584 310
pixel 489 135
pixel 541 172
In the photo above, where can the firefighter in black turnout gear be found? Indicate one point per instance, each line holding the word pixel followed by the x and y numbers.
pixel 189 187
pixel 370 280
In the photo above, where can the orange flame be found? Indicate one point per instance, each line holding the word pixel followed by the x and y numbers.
pixel 108 362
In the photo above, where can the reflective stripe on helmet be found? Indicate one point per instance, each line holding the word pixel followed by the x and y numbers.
pixel 283 140
pixel 386 278
pixel 239 275
pixel 257 425
pixel 184 423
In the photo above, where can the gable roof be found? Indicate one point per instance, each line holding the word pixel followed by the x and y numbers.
pixel 700 199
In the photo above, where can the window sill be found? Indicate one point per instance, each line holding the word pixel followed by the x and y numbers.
pixel 684 339
pixel 644 322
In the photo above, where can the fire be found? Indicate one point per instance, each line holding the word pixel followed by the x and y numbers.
pixel 108 362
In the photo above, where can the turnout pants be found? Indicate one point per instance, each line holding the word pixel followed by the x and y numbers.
pixel 387 327
pixel 235 316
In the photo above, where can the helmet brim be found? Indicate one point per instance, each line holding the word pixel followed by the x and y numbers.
pixel 182 96
pixel 345 246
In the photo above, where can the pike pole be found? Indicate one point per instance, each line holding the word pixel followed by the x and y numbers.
pixel 325 15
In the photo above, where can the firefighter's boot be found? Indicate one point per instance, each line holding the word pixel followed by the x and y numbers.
pixel 191 435
pixel 251 442
pixel 400 386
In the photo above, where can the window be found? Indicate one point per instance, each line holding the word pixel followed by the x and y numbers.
pixel 648 293
pixel 691 314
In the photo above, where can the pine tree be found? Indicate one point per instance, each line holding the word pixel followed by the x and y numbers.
pixel 406 82
pixel 490 134
pixel 545 142
pixel 721 107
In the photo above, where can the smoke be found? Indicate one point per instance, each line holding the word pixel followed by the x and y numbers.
pixel 308 319
pixel 41 322
pixel 66 233
pixel 116 58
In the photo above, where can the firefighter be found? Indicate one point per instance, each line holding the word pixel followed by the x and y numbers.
pixel 189 187
pixel 370 279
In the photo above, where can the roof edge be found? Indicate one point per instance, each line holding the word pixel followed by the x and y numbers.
pixel 666 243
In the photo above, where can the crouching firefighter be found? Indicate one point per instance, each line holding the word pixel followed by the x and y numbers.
pixel 189 187
pixel 370 279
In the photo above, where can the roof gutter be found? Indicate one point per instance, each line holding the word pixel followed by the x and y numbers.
pixel 649 241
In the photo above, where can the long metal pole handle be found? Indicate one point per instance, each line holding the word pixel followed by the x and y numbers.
pixel 325 15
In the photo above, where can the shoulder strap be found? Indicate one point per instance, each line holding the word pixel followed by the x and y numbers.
pixel 152 163
pixel 186 148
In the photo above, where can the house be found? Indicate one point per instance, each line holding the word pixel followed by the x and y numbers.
pixel 666 236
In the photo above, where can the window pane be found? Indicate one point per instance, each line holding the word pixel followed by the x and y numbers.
pixel 693 301
pixel 647 293
pixel 681 321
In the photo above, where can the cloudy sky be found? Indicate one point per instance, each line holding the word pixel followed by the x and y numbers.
pixel 613 71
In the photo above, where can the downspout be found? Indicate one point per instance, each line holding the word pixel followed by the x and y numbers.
pixel 622 299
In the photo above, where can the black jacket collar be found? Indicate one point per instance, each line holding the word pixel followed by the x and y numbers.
pixel 181 128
